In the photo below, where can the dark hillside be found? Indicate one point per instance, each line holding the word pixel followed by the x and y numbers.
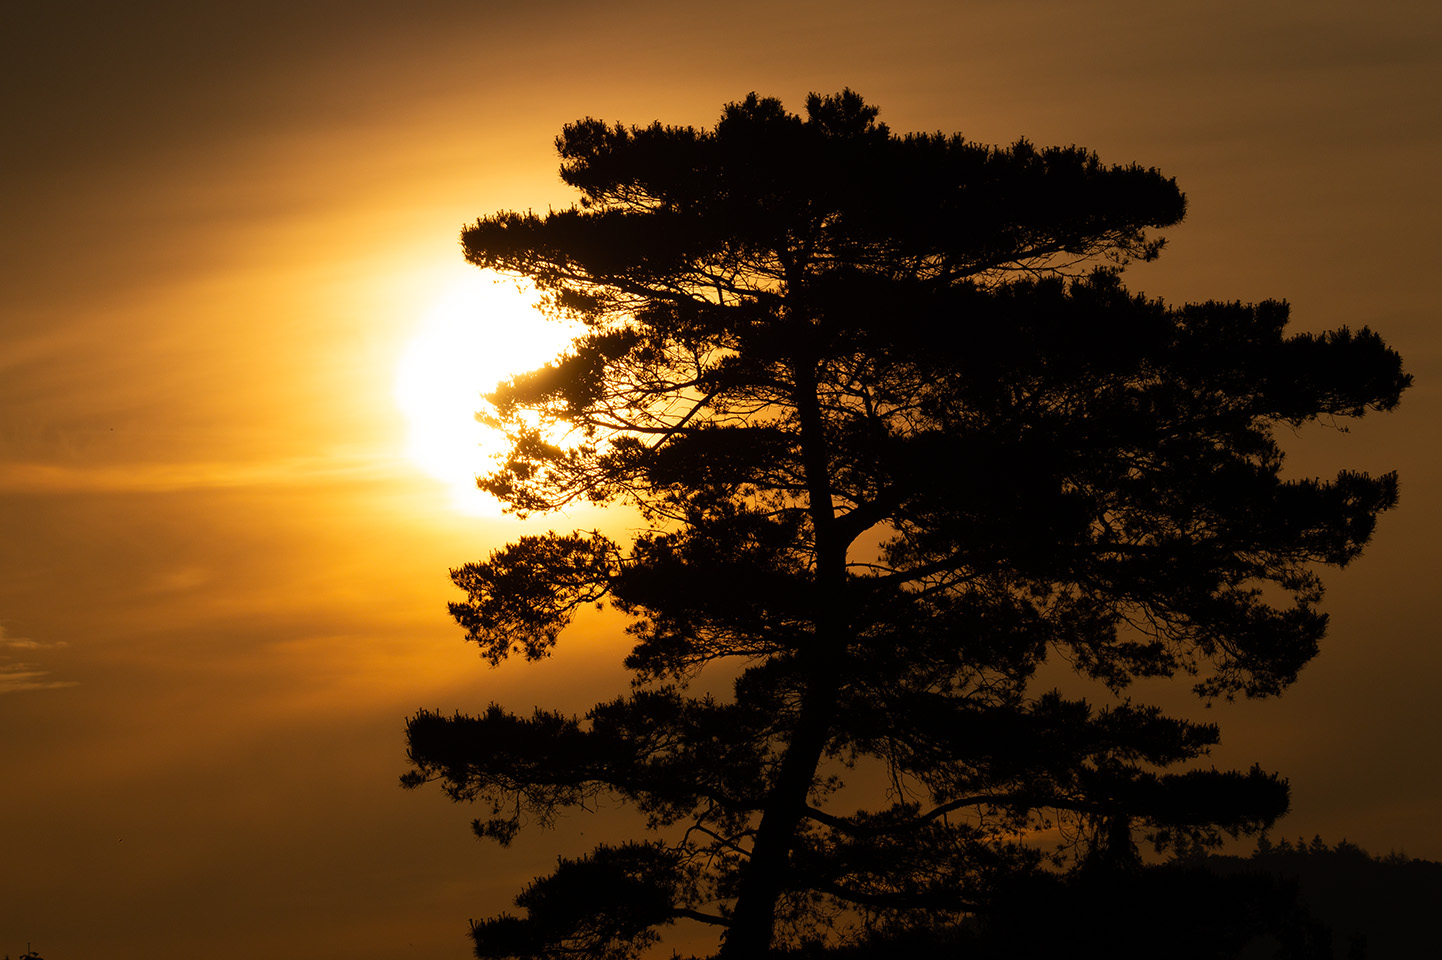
pixel 1285 902
pixel 1382 908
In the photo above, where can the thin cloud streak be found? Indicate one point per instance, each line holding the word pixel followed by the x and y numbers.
pixel 52 478
pixel 19 676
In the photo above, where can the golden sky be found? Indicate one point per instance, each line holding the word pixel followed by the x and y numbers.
pixel 222 581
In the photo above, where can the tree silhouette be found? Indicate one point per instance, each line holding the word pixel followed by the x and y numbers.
pixel 900 435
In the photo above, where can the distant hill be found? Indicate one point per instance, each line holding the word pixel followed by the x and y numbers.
pixel 1314 902
pixel 1380 908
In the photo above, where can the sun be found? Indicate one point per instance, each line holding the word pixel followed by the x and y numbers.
pixel 480 331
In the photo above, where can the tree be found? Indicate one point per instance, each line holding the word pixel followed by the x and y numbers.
pixel 900 435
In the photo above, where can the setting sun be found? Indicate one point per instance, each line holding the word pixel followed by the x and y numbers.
pixel 482 330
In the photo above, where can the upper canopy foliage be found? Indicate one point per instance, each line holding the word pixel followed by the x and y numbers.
pixel 901 435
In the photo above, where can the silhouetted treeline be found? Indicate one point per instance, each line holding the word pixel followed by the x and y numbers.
pixel 1289 901
pixel 1378 907
pixel 1179 911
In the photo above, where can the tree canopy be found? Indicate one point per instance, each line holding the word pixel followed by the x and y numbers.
pixel 899 435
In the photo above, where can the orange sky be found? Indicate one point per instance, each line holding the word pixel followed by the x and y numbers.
pixel 223 586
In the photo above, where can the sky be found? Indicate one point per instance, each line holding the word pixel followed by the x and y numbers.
pixel 229 230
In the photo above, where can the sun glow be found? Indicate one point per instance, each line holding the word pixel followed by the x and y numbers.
pixel 479 332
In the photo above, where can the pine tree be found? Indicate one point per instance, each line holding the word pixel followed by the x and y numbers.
pixel 900 435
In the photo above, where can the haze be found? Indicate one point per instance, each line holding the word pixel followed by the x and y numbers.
pixel 222 580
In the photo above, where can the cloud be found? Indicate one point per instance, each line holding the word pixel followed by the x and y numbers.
pixel 18 643
pixel 152 477
pixel 16 676
pixel 23 643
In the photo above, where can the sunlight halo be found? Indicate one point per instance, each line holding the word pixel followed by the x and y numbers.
pixel 480 330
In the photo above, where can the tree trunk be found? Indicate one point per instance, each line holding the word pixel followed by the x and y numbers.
pixel 763 880
pixel 764 876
